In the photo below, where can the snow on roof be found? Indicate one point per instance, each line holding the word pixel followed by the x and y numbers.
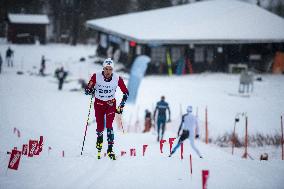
pixel 28 18
pixel 216 21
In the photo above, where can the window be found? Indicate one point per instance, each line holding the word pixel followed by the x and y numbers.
pixel 176 53
pixel 124 46
pixel 158 54
pixel 199 54
pixel 138 49
pixel 210 55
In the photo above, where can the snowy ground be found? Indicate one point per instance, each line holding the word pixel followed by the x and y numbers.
pixel 34 105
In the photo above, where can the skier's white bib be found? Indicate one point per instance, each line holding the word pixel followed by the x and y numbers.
pixel 105 90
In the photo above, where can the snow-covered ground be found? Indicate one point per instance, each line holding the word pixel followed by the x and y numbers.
pixel 34 105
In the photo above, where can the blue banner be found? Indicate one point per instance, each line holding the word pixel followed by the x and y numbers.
pixel 137 72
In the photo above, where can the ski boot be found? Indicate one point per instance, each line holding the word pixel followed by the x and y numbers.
pixel 99 145
pixel 99 154
pixel 110 153
pixel 110 139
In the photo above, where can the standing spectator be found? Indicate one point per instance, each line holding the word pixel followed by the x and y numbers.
pixel 61 75
pixel 161 107
pixel 9 56
pixel 103 86
pixel 1 63
pixel 147 121
pixel 42 66
pixel 189 126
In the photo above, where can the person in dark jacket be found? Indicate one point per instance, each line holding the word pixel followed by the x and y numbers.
pixel 61 76
pixel 42 66
pixel 9 57
pixel 162 106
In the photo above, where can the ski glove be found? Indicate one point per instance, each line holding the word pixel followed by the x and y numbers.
pixel 197 136
pixel 119 110
pixel 124 98
pixel 89 91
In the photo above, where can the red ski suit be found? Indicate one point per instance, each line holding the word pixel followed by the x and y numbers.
pixel 108 105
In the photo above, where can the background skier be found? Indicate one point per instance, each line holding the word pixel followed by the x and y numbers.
pixel 189 125
pixel 9 57
pixel 42 66
pixel 61 74
pixel 161 107
pixel 103 86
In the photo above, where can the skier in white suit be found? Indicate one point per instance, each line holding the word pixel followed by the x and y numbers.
pixel 189 126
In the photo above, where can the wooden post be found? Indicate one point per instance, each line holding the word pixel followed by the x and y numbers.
pixel 181 150
pixel 190 162
pixel 206 126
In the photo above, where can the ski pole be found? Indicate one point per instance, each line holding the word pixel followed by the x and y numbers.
pixel 87 125
pixel 121 125
pixel 118 118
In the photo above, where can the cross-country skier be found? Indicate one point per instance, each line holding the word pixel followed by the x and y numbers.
pixel 161 107
pixel 9 57
pixel 103 86
pixel 42 66
pixel 188 125
pixel 61 75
